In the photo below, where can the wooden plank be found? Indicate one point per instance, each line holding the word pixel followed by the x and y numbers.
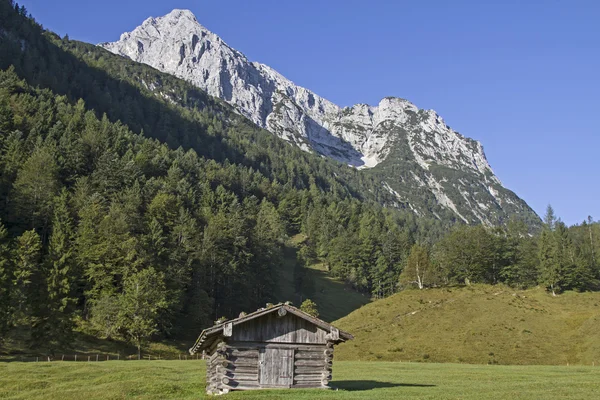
pixel 309 355
pixel 228 329
pixel 231 374
pixel 245 357
pixel 309 378
pixel 243 346
pixel 311 363
pixel 252 352
pixel 250 386
pixel 299 347
pixel 242 370
pixel 309 385
pixel 245 377
pixel 240 365
pixel 309 370
pixel 243 385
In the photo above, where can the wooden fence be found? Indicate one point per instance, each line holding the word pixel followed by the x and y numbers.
pixel 103 357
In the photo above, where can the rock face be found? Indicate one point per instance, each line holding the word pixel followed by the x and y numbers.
pixel 423 164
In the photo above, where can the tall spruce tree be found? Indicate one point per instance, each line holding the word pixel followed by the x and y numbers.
pixel 62 274
pixel 34 189
pixel 551 268
pixel 6 271
pixel 28 293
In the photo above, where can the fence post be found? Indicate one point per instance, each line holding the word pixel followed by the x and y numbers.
pixel 118 355
pixel 75 357
pixel 62 358
pixel 88 358
pixel 107 356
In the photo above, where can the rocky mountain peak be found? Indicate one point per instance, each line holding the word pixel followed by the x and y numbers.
pixel 181 14
pixel 429 167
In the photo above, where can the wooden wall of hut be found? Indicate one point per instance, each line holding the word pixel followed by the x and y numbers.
pixel 246 365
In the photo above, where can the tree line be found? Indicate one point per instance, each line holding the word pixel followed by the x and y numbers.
pixel 557 258
pixel 374 253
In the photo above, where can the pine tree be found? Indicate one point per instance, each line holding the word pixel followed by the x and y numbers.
pixel 6 267
pixel 550 218
pixel 61 275
pixel 268 223
pixel 141 303
pixel 26 279
pixel 104 315
pixel 520 254
pixel 551 271
pixel 35 187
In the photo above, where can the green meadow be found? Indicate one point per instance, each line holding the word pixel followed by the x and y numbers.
pixel 353 380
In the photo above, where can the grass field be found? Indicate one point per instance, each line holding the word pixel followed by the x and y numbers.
pixel 355 380
pixel 477 324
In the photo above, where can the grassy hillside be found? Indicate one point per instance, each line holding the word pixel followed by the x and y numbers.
pixel 477 324
pixel 355 380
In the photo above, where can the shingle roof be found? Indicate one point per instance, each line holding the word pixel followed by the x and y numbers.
pixel 209 335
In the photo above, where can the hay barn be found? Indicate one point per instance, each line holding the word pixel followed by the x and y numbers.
pixel 275 347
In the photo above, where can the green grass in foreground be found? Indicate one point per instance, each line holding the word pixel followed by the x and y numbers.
pixel 355 380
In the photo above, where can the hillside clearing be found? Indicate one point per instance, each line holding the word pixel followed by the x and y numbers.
pixel 355 380
pixel 334 299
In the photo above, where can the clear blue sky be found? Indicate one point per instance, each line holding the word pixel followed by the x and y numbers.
pixel 523 77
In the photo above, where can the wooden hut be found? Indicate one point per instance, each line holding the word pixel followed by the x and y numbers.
pixel 275 347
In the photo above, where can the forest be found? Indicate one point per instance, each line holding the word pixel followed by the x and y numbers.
pixel 134 206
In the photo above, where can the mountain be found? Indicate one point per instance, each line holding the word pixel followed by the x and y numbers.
pixel 424 164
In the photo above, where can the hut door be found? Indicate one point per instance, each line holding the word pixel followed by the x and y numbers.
pixel 277 367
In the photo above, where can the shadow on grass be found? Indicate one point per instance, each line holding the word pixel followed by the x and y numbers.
pixel 354 386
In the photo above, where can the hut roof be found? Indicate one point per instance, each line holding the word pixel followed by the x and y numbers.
pixel 209 335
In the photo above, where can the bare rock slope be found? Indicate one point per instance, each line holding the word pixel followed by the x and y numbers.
pixel 424 164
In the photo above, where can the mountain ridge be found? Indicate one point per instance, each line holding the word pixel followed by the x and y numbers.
pixel 429 154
